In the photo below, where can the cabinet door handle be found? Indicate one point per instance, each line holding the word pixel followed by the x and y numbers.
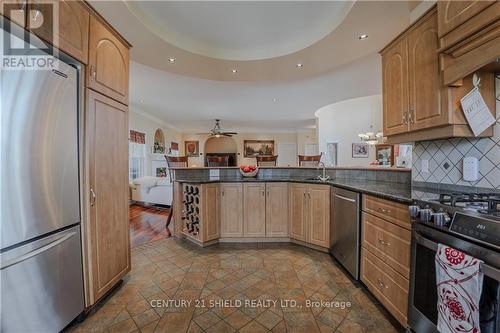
pixel 383 210
pixel 92 197
pixel 403 112
pixel 411 114
pixel 268 194
pixel 93 73
pixel 222 192
pixel 262 192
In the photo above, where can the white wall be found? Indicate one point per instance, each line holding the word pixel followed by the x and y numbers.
pixel 145 123
pixel 299 138
pixel 342 122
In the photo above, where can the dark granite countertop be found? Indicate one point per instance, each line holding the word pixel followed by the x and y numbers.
pixel 392 191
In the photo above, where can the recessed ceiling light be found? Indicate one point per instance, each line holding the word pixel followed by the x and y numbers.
pixel 362 36
pixel 171 59
pixel 300 65
pixel 275 99
pixel 234 71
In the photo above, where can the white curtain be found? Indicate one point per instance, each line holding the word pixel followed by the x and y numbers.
pixel 137 157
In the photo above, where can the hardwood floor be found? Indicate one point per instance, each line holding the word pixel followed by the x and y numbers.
pixel 147 224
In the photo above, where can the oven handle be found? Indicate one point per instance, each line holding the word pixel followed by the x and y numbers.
pixel 487 270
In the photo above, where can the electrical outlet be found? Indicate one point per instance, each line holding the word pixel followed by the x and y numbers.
pixel 470 168
pixel 425 166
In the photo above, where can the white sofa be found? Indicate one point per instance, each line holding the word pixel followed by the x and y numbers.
pixel 152 190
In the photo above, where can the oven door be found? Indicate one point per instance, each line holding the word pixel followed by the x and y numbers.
pixel 422 312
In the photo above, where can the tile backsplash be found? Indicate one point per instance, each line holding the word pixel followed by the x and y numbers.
pixel 445 157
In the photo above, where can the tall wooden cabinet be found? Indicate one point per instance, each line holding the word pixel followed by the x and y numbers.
pixel 276 209
pixel 107 231
pixel 254 210
pixel 231 211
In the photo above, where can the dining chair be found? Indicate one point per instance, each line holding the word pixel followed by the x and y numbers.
pixel 266 160
pixel 311 161
pixel 174 162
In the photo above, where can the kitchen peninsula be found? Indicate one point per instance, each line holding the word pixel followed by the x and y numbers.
pixel 279 204
pixel 357 212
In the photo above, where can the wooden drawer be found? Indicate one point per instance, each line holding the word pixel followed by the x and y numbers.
pixel 388 286
pixel 388 242
pixel 389 210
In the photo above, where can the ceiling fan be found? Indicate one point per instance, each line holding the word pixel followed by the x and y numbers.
pixel 217 131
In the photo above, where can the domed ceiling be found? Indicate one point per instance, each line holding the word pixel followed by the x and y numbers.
pixel 253 40
pixel 241 30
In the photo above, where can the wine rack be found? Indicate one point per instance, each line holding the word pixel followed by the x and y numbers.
pixel 191 209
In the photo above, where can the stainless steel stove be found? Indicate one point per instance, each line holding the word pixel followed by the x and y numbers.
pixel 469 222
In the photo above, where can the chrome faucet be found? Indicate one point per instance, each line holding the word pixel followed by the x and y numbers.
pixel 323 177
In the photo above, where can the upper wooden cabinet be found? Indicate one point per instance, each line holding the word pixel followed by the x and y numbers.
pixel 72 30
pixel 276 209
pixel 14 11
pixel 452 13
pixel 425 108
pixel 254 210
pixel 231 206
pixel 416 104
pixel 395 88
pixel 108 63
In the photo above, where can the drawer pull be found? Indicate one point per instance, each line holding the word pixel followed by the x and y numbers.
pixel 382 242
pixel 383 210
pixel 382 284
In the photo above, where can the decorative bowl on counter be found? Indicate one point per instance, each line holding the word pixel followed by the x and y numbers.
pixel 249 170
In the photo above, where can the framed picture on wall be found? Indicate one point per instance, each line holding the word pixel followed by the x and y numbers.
pixel 360 150
pixel 384 154
pixel 254 148
pixel 192 148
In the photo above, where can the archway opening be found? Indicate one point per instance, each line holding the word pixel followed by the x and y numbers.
pixel 222 146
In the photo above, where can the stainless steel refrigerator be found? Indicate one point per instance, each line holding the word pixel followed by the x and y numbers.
pixel 41 279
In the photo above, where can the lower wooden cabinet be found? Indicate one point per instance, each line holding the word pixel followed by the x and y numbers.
pixel 390 287
pixel 319 215
pixel 310 214
pixel 210 197
pixel 231 209
pixel 106 236
pixel 254 210
pixel 276 209
pixel 298 208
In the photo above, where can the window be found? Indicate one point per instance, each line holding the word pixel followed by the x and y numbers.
pixel 137 155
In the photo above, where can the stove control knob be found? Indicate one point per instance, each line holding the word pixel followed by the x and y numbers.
pixel 426 214
pixel 414 210
pixel 441 218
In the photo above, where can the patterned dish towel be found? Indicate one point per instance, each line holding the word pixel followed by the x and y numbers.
pixel 459 284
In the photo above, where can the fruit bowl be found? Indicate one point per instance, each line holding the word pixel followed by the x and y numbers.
pixel 249 170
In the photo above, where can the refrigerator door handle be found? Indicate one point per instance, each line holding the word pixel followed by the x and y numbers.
pixel 92 197
pixel 36 252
